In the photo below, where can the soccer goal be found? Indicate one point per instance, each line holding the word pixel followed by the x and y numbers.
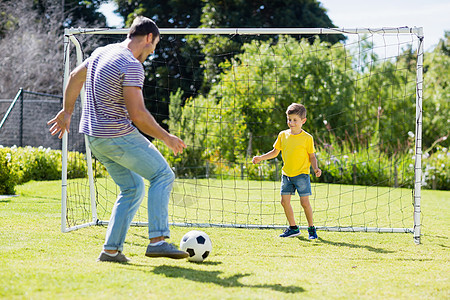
pixel 225 91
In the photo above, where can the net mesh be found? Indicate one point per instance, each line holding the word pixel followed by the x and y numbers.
pixel 228 104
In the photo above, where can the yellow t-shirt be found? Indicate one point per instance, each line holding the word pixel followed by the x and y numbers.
pixel 295 150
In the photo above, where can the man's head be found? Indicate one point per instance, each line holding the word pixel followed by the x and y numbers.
pixel 143 26
pixel 296 109
pixel 143 36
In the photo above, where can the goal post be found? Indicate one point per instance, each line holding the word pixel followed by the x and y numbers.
pixel 365 187
pixel 64 217
pixel 418 141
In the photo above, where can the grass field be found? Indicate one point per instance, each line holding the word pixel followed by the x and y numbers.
pixel 39 262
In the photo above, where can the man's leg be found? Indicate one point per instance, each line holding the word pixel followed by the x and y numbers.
pixel 131 185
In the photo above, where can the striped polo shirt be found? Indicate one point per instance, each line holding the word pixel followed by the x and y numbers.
pixel 109 69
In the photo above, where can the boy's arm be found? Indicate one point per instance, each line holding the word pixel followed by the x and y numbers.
pixel 269 155
pixel 313 160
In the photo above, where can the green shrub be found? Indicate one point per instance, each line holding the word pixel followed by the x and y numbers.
pixel 436 169
pixel 40 163
pixel 22 164
pixel 76 165
pixel 7 178
pixel 365 168
pixel 369 167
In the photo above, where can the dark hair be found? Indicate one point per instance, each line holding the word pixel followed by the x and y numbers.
pixel 143 26
pixel 296 109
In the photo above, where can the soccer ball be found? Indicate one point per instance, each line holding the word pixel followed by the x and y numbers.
pixel 197 244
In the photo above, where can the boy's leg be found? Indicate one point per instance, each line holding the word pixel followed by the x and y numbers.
pixel 307 209
pixel 309 217
pixel 286 203
pixel 287 190
pixel 292 230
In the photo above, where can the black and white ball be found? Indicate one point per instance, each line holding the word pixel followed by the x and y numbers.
pixel 197 244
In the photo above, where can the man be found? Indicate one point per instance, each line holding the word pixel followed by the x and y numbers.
pixel 113 77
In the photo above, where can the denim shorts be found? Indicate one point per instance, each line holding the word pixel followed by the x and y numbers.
pixel 301 183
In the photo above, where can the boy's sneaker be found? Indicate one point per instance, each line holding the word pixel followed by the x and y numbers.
pixel 312 233
pixel 290 232
pixel 165 250
pixel 120 257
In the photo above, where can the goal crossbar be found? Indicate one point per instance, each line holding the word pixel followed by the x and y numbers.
pixel 245 31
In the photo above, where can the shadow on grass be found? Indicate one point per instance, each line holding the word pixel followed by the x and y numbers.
pixel 437 236
pixel 214 277
pixel 349 245
pixel 444 246
pixel 7 198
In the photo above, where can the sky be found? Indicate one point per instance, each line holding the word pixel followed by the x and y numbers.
pixel 112 19
pixel 432 15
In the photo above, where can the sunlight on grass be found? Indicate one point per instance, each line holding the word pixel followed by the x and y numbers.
pixel 40 262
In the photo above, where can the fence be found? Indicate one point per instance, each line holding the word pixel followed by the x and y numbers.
pixel 24 120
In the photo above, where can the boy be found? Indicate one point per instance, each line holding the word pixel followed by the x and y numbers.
pixel 297 148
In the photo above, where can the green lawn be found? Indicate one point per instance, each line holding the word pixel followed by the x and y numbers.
pixel 39 262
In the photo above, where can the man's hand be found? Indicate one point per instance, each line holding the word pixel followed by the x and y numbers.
pixel 175 144
pixel 61 123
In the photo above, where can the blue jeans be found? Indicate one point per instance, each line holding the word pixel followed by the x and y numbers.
pixel 129 159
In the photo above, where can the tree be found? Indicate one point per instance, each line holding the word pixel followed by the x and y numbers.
pixel 191 56
pixel 274 13
pixel 355 105
pixel 174 59
pixel 167 14
pixel 31 42
pixel 436 104
pixel 245 107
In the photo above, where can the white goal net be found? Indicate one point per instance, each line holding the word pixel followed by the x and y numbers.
pixel 225 93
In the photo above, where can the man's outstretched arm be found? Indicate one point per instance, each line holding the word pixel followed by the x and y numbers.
pixel 61 122
pixel 143 119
